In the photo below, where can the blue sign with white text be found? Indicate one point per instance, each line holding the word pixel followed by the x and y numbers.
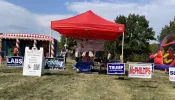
pixel 172 72
pixel 54 63
pixel 14 61
pixel 116 68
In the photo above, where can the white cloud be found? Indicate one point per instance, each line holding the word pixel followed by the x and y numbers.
pixel 14 18
pixel 45 20
pixel 158 12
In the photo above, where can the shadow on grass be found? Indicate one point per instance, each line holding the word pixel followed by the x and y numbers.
pixel 104 72
pixel 64 74
pixel 11 70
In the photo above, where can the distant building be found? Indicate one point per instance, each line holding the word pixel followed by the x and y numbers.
pixel 9 41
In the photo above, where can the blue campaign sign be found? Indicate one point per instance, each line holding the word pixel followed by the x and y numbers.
pixel 14 61
pixel 116 68
pixel 54 63
pixel 84 66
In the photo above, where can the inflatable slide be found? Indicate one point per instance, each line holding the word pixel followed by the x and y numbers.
pixel 165 57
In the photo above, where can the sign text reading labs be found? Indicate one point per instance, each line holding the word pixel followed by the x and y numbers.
pixel 139 70
pixel 14 60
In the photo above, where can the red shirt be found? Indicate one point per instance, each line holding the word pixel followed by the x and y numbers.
pixel 86 59
pixel 15 51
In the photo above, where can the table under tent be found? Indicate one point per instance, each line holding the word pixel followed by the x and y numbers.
pixel 89 26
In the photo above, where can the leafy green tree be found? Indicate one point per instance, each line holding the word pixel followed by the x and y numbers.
pixel 167 29
pixel 153 47
pixel 137 36
pixel 59 46
pixel 62 41
pixel 71 42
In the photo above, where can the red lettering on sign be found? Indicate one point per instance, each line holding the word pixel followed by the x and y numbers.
pixel 131 70
pixel 139 70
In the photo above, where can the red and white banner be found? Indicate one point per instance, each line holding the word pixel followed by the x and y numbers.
pixel 140 70
pixel 90 45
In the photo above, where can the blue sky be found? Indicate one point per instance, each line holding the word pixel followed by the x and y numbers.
pixel 43 6
pixel 34 16
pixel 56 6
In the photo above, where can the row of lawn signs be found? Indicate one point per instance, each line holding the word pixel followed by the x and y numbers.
pixel 34 63
pixel 137 70
pixel 50 63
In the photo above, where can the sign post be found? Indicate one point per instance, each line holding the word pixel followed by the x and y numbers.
pixel 33 62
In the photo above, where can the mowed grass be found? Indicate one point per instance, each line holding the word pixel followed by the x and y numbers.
pixel 69 85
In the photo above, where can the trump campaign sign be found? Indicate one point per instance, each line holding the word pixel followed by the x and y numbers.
pixel 172 74
pixel 14 61
pixel 116 68
pixel 140 70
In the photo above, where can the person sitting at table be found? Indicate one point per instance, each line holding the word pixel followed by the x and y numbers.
pixel 86 58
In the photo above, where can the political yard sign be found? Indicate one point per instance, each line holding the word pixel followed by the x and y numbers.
pixel 54 63
pixel 16 61
pixel 140 70
pixel 172 74
pixel 116 68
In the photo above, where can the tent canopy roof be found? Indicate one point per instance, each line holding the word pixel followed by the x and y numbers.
pixel 88 25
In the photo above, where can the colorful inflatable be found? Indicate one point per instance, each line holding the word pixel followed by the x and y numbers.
pixel 165 57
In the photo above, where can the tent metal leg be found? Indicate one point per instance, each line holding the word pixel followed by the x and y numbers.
pixel 122 46
pixel 50 42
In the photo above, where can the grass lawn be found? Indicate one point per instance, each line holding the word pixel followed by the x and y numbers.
pixel 69 85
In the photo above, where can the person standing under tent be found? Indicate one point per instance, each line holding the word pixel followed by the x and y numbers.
pixel 66 53
pixel 86 58
pixel 76 56
pixel 109 56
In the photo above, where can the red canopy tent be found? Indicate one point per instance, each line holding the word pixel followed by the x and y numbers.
pixel 88 25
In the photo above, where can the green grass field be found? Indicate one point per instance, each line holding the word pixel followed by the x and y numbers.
pixel 69 85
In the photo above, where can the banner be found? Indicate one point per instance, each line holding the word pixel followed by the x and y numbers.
pixel 54 63
pixel 33 62
pixel 172 74
pixel 140 70
pixel 115 68
pixel 16 61
pixel 90 45
pixel 84 66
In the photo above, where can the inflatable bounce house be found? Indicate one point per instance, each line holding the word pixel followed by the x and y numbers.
pixel 165 57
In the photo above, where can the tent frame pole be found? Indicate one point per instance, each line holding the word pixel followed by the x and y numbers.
pixel 122 46
pixel 50 42
pixel 66 44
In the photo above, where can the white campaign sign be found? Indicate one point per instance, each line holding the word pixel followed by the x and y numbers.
pixel 172 74
pixel 33 62
pixel 140 70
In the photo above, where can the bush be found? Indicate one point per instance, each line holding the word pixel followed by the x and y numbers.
pixel 138 58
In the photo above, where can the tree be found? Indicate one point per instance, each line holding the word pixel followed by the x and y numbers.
pixel 62 41
pixel 114 47
pixel 70 42
pixel 167 29
pixel 137 36
pixel 153 47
